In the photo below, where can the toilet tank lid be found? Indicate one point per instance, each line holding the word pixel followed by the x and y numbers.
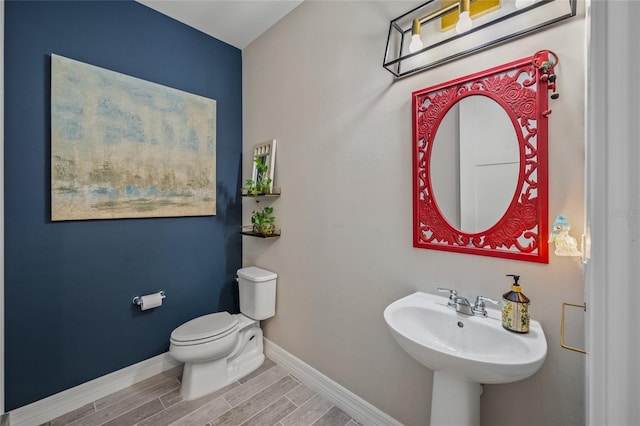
pixel 257 275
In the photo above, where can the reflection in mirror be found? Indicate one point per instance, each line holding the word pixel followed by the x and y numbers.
pixel 475 163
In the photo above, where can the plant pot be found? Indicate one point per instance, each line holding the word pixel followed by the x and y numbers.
pixel 266 230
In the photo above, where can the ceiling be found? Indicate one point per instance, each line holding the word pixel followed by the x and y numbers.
pixel 236 22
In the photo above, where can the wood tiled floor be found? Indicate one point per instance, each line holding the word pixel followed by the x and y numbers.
pixel 268 396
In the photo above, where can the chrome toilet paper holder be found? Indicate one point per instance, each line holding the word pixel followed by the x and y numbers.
pixel 138 299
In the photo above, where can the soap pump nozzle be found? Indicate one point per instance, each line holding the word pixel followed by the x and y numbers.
pixel 515 286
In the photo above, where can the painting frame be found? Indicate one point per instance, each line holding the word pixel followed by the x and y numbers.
pixel 123 147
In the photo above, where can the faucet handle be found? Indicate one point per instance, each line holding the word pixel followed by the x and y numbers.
pixel 481 299
pixel 479 307
pixel 453 295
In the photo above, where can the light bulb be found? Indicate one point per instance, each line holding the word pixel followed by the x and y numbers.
pixel 416 43
pixel 521 4
pixel 464 23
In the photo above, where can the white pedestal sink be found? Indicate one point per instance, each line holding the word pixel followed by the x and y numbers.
pixel 463 351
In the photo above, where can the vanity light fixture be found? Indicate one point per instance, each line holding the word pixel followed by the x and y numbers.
pixel 422 39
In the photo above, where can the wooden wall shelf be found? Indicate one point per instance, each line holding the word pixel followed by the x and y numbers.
pixel 248 230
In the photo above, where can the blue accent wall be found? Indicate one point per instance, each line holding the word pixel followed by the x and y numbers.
pixel 69 285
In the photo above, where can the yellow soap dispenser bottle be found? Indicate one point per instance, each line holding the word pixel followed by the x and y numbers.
pixel 515 308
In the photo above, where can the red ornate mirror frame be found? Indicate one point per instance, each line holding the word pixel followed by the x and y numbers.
pixel 522 89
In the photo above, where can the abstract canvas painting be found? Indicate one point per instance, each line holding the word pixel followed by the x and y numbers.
pixel 122 147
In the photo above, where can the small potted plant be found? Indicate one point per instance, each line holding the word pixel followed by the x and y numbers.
pixel 263 221
pixel 262 184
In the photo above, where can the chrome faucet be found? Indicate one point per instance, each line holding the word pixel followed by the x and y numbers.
pixel 462 304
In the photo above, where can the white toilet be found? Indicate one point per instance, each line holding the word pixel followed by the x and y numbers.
pixel 220 348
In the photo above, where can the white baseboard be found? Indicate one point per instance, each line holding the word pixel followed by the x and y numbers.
pixel 61 403
pixel 359 409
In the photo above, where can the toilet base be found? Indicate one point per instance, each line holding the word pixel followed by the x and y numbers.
pixel 202 378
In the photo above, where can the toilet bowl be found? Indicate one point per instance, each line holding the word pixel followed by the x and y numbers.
pixel 220 348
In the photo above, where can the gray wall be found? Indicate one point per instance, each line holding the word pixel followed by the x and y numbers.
pixel 315 83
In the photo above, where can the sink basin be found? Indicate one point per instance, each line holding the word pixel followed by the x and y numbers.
pixel 463 351
pixel 478 348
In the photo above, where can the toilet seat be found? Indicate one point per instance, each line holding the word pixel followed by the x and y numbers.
pixel 204 329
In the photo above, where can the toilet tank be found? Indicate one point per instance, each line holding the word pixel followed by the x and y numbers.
pixel 257 292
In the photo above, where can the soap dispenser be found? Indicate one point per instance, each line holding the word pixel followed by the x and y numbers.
pixel 515 308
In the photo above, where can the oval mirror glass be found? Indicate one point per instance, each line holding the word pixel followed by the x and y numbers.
pixel 475 162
